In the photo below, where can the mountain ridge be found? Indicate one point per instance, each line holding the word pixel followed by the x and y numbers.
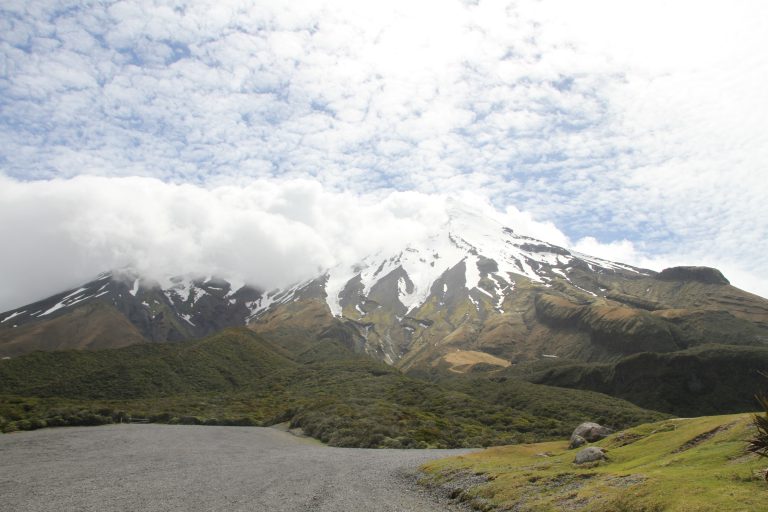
pixel 470 284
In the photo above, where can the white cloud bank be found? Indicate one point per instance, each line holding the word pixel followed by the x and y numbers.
pixel 269 233
pixel 61 232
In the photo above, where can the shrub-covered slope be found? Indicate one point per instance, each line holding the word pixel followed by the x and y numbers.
pixel 230 360
pixel 709 379
pixel 237 377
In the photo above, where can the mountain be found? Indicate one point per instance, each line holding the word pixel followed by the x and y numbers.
pixel 474 294
pixel 121 308
pixel 468 295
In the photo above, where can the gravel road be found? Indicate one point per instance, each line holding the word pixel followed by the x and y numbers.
pixel 189 468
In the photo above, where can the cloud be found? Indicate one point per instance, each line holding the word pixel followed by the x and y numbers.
pixel 268 233
pixel 640 126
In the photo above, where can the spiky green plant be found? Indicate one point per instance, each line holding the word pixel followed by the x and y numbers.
pixel 759 442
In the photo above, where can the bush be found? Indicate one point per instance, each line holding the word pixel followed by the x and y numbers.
pixel 37 423
pixel 245 421
pixel 160 418
pixel 56 421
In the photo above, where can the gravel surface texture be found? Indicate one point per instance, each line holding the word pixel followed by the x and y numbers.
pixel 191 468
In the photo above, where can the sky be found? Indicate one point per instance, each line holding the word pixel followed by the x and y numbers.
pixel 273 139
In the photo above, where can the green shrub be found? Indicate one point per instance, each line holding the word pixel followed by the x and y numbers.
pixel 38 423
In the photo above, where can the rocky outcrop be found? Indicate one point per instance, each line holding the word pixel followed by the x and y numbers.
pixel 545 248
pixel 705 275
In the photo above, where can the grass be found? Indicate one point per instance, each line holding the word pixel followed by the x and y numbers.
pixel 677 465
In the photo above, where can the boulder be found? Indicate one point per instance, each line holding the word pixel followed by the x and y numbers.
pixel 591 432
pixel 576 441
pixel 590 454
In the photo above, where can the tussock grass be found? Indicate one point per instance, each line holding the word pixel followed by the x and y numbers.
pixel 676 465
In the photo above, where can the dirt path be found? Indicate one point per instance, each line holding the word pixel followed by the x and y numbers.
pixel 187 468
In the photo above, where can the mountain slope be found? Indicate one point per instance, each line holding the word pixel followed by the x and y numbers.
pixel 121 308
pixel 703 380
pixel 230 360
pixel 94 325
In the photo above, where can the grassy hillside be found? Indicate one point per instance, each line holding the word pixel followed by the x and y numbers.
pixel 237 377
pixel 685 465
pixel 96 325
pixel 711 379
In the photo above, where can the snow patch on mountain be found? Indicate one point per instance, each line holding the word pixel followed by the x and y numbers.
pixel 273 298
pixel 68 300
pixel 12 315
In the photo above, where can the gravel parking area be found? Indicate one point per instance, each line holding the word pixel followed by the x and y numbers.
pixel 192 468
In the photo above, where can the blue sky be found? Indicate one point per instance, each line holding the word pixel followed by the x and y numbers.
pixel 631 130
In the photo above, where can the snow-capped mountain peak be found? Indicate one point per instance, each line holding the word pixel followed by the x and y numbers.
pixel 486 248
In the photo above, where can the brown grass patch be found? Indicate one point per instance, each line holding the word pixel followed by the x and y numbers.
pixel 462 360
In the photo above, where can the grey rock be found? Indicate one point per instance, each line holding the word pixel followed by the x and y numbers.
pixel 576 441
pixel 591 432
pixel 590 454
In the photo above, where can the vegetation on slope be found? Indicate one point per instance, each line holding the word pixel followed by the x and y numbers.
pixel 566 408
pixel 691 465
pixel 231 360
pixel 711 379
pixel 237 377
